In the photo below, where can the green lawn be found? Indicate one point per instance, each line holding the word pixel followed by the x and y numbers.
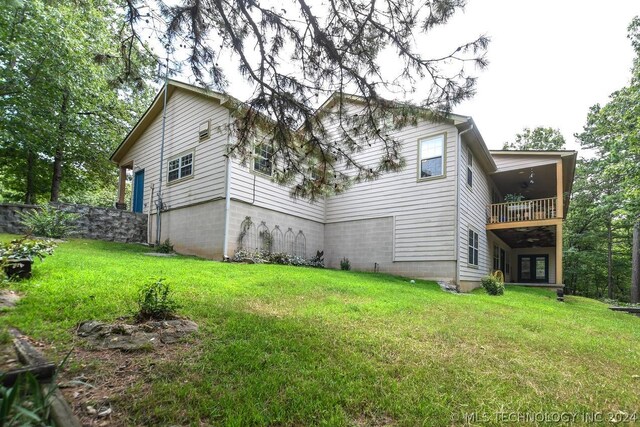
pixel 300 346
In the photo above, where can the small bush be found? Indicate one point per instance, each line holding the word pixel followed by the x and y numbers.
pixel 155 302
pixel 49 222
pixel 492 285
pixel 165 247
pixel 265 257
pixel 345 264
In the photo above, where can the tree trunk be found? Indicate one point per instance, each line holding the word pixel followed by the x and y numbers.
pixel 56 178
pixel 609 259
pixel 635 264
pixel 29 196
pixel 57 175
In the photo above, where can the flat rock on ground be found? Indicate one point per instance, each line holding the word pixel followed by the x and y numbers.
pixel 8 298
pixel 143 336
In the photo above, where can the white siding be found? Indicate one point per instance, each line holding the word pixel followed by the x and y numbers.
pixel 513 162
pixel 472 214
pixel 259 190
pixel 423 209
pixel 185 112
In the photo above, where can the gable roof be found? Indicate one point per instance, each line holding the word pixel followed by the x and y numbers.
pixel 156 108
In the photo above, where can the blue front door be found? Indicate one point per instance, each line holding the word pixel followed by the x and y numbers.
pixel 138 191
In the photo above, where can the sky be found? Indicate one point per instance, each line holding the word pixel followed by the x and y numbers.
pixel 549 62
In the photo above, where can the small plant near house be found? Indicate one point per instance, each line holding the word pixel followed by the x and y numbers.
pixel 49 222
pixel 17 256
pixel 513 197
pixel 165 247
pixel 493 285
pixel 345 264
pixel 156 302
pixel 282 258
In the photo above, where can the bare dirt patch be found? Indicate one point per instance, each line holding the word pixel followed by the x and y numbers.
pixel 96 385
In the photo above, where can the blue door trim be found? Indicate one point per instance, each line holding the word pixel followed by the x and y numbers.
pixel 138 191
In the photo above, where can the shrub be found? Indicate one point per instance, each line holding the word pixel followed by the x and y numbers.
pixel 165 247
pixel 492 285
pixel 265 257
pixel 49 222
pixel 345 264
pixel 155 302
pixel 26 248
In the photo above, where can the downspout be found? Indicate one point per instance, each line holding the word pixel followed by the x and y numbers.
pixel 457 227
pixel 227 194
pixel 164 119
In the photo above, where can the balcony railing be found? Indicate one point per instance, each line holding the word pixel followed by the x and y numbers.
pixel 526 210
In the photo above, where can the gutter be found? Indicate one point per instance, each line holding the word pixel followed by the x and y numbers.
pixel 457 227
pixel 227 194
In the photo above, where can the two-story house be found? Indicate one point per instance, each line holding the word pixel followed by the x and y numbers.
pixel 443 217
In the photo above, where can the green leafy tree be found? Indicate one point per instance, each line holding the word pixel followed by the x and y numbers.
pixel 606 199
pixel 69 90
pixel 540 138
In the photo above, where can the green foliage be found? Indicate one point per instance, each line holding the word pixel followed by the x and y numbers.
pixel 26 248
pixel 165 247
pixel 513 197
pixel 24 404
pixel 539 138
pixel 156 302
pixel 345 264
pixel 49 221
pixel 492 285
pixel 282 258
pixel 606 195
pixel 67 106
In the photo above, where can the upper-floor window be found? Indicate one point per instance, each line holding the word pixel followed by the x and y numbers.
pixel 262 159
pixel 474 247
pixel 180 167
pixel 469 168
pixel 431 156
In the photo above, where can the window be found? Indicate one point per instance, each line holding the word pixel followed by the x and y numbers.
pixel 496 258
pixel 262 159
pixel 180 167
pixel 469 168
pixel 473 248
pixel 431 156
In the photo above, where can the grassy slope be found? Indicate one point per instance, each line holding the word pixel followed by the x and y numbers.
pixel 306 346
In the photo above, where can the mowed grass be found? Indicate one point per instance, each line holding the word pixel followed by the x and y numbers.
pixel 300 346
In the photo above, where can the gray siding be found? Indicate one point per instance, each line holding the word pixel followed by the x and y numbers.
pixel 260 190
pixel 472 214
pixel 506 162
pixel 185 112
pixel 423 209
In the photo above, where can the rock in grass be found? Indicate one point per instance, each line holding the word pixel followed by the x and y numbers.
pixel 143 336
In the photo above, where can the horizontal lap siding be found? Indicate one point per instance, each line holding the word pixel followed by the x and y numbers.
pixel 473 206
pixel 185 112
pixel 514 162
pixel 423 210
pixel 270 195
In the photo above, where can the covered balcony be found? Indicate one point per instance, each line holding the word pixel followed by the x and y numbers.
pixel 530 192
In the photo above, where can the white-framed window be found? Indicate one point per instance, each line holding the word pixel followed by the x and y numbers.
pixel 431 152
pixel 180 167
pixel 472 258
pixel 469 168
pixel 262 159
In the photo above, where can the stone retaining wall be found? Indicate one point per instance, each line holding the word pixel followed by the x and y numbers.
pixel 94 222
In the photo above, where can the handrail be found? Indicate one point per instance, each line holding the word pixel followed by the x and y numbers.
pixel 525 210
